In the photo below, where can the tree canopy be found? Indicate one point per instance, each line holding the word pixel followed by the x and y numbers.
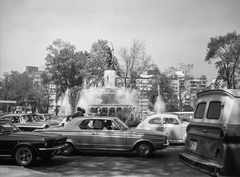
pixel 225 50
pixel 136 62
pixel 67 67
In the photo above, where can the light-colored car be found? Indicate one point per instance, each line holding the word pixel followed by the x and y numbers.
pixel 213 135
pixel 25 122
pixel 171 124
pixel 108 134
pixel 49 118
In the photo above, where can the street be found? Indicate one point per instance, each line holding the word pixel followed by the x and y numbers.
pixel 162 163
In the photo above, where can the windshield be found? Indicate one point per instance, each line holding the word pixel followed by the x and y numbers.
pixel 32 118
pixel 120 124
pixel 6 126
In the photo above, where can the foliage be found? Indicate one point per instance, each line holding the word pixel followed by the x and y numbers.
pixel 161 84
pixel 21 88
pixel 97 64
pixel 226 50
pixel 67 67
pixel 128 118
pixel 136 62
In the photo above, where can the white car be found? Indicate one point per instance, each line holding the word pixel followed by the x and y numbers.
pixel 171 124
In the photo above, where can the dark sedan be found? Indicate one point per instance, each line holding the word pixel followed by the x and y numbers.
pixel 108 134
pixel 24 147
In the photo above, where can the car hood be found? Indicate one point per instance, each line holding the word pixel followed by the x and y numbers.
pixel 147 132
pixel 34 135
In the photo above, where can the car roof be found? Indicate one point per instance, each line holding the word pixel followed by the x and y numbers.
pixel 230 92
pixel 14 115
pixel 161 115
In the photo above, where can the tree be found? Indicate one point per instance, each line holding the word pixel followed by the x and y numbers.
pixel 21 88
pixel 136 62
pixel 163 83
pixel 67 68
pixel 47 85
pixel 98 63
pixel 182 74
pixel 226 50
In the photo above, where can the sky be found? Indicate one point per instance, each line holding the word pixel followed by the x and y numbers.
pixel 173 31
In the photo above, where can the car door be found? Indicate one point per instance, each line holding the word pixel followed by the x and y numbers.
pixel 108 139
pixel 154 124
pixel 172 127
pixel 83 134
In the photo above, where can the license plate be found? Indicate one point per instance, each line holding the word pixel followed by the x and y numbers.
pixel 193 145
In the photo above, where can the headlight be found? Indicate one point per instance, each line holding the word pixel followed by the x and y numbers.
pixel 45 144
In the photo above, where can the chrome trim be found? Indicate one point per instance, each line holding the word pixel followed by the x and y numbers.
pixel 54 148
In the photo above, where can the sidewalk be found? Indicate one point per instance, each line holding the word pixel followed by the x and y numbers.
pixel 18 171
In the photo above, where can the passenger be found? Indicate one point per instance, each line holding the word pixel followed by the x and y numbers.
pixel 107 125
pixel 78 113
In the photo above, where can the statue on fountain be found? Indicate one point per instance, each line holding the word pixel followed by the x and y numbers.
pixel 110 62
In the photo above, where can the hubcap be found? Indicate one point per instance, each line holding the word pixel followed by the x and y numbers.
pixel 144 149
pixel 24 156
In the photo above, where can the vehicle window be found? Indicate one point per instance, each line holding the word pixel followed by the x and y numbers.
pixel 155 121
pixel 15 119
pixel 86 124
pixel 120 124
pixel 200 110
pixel 169 121
pixel 173 121
pixel 214 110
pixel 108 125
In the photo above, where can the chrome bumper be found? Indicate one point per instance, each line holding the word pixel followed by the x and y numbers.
pixel 54 148
pixel 203 166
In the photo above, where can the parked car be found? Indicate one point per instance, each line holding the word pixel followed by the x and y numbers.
pixel 24 147
pixel 213 135
pixel 48 118
pixel 171 124
pixel 25 122
pixel 109 134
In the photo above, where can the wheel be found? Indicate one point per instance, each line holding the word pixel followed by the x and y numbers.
pixel 46 157
pixel 144 149
pixel 68 150
pixel 25 156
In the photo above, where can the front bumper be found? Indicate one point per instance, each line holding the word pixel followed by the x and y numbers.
pixel 200 164
pixel 51 151
pixel 165 145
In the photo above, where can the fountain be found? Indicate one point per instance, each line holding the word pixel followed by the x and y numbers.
pixel 107 100
pixel 159 106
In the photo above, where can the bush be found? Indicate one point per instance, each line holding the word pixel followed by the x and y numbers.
pixel 129 119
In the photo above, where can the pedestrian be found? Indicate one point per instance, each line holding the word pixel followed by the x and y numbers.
pixel 78 113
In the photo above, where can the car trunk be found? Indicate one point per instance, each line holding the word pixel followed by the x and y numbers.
pixel 204 140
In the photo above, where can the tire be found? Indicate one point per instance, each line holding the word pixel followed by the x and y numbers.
pixel 46 157
pixel 25 156
pixel 68 150
pixel 144 149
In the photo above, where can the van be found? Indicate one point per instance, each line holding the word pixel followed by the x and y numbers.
pixel 213 135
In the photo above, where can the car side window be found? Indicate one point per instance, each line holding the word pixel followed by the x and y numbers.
pixel 200 110
pixel 15 119
pixel 155 121
pixel 86 124
pixel 173 121
pixel 214 110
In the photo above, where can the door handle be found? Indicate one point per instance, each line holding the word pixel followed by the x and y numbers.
pixel 204 131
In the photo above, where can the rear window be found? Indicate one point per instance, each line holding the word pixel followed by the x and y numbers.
pixel 200 110
pixel 214 110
